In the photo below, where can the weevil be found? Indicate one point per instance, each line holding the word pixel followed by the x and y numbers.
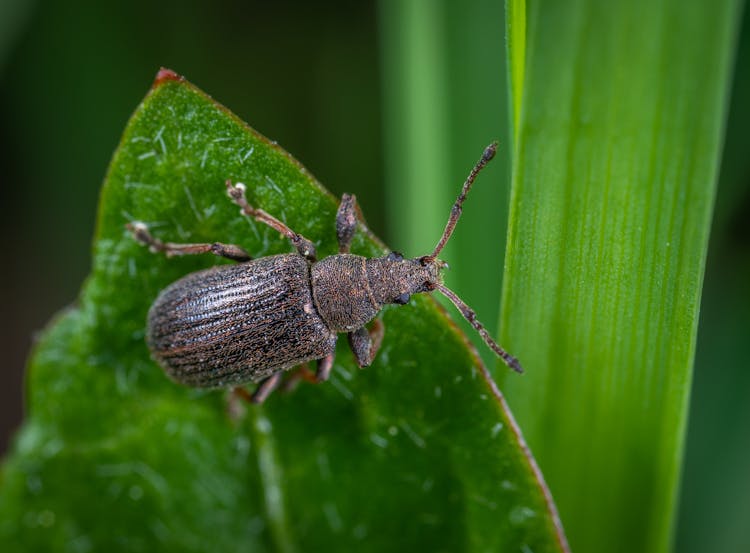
pixel 233 324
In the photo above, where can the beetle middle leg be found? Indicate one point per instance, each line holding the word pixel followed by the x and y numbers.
pixel 265 387
pixel 303 372
pixel 366 343
pixel 141 234
pixel 296 375
pixel 268 385
pixel 237 194
pixel 324 367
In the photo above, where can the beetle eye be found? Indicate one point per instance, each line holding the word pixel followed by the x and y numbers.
pixel 402 299
pixel 395 256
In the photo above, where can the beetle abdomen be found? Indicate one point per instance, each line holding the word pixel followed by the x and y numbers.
pixel 238 323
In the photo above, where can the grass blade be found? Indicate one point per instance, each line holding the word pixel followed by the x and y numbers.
pixel 620 131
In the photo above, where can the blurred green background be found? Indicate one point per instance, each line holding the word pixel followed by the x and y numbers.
pixel 322 80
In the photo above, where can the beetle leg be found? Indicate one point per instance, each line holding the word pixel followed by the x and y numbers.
pixel 366 343
pixel 302 372
pixel 241 393
pixel 236 400
pixel 141 234
pixel 324 367
pixel 304 246
pixel 265 387
pixel 346 221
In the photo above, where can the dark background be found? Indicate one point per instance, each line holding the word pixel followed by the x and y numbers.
pixel 307 75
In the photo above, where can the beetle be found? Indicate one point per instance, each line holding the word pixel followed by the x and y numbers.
pixel 233 324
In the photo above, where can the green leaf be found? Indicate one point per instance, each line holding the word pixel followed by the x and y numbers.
pixel 418 451
pixel 516 38
pixel 620 131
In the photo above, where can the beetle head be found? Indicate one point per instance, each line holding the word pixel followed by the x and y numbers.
pixel 399 278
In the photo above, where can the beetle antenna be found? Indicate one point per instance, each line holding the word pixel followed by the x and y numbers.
pixel 487 155
pixel 471 316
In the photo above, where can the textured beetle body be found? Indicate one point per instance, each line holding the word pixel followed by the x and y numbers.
pixel 249 322
pixel 238 323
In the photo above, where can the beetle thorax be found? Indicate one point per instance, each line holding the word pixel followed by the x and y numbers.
pixel 350 290
pixel 342 293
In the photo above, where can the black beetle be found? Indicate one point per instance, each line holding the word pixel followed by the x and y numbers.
pixel 233 324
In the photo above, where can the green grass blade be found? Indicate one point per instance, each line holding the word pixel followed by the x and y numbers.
pixel 418 148
pixel 615 167
pixel 516 37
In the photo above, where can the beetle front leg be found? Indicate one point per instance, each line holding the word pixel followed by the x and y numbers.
pixel 366 343
pixel 346 221
pixel 304 246
pixel 140 232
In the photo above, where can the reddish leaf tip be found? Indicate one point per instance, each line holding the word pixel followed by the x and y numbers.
pixel 164 75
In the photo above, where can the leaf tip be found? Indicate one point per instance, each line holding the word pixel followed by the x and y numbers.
pixel 165 75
